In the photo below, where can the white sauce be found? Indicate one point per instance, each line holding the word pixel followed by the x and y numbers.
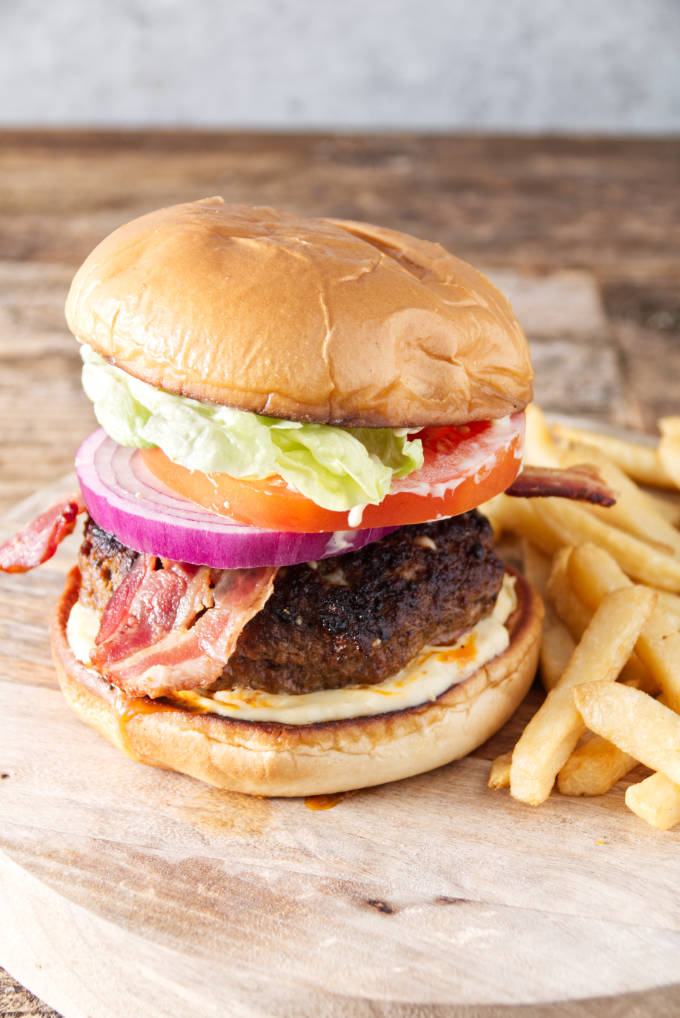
pixel 81 631
pixel 355 514
pixel 425 678
pixel 480 459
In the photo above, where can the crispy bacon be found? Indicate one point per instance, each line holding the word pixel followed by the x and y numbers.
pixel 117 611
pixel 581 482
pixel 157 641
pixel 38 541
pixel 148 604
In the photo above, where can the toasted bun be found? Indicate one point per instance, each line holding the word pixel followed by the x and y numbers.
pixel 307 319
pixel 275 759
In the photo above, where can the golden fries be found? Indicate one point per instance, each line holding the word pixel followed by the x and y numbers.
pixel 656 800
pixel 659 649
pixel 585 561
pixel 499 774
pixel 572 525
pixel 634 510
pixel 557 646
pixel 641 462
pixel 671 605
pixel 669 447
pixel 593 768
pixel 537 567
pixel 518 516
pixel 666 505
pixel 540 448
pixel 554 730
pixel 575 614
pixel 566 602
pixel 633 721
pixel 594 573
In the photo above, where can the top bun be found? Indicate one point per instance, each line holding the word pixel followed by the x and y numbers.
pixel 308 319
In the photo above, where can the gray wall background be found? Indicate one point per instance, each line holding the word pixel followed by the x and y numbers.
pixel 509 65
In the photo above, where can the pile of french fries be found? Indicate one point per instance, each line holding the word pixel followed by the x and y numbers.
pixel 610 656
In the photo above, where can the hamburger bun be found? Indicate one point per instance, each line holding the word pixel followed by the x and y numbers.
pixel 308 319
pixel 264 758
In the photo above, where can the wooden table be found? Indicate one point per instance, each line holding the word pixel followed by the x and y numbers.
pixel 583 235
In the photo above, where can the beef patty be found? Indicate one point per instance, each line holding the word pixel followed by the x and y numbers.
pixel 104 563
pixel 356 618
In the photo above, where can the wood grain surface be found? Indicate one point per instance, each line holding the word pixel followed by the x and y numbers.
pixel 583 234
pixel 129 890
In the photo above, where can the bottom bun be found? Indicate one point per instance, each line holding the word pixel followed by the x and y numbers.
pixel 267 758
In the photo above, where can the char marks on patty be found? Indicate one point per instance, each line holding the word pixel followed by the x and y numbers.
pixel 354 618
pixel 104 563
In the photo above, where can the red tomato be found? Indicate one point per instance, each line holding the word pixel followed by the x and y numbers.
pixel 463 467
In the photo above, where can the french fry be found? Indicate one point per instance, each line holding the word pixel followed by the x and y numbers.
pixel 567 604
pixel 596 766
pixel 636 723
pixel 669 447
pixel 493 510
pixel 519 516
pixel 573 525
pixel 666 505
pixel 593 574
pixel 537 567
pixel 634 510
pixel 540 448
pixel 636 675
pixel 570 613
pixel 656 800
pixel 553 732
pixel 659 650
pixel 557 646
pixel 641 462
pixel 557 643
pixel 593 768
pixel 670 604
pixel 499 772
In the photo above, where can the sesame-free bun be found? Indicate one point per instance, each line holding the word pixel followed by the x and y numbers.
pixel 307 319
pixel 276 759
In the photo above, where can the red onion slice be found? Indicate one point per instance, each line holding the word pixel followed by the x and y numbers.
pixel 124 498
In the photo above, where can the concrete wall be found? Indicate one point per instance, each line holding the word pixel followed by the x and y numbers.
pixel 509 65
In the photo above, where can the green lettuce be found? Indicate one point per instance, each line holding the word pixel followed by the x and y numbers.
pixel 338 468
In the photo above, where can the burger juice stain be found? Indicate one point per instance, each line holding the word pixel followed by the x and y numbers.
pixel 217 812
pixel 317 802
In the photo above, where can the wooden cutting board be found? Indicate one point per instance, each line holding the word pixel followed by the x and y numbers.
pixel 128 891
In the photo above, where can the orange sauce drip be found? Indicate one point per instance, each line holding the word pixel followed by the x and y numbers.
pixel 127 708
pixel 324 801
pixel 463 654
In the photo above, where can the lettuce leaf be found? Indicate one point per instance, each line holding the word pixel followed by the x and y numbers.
pixel 338 468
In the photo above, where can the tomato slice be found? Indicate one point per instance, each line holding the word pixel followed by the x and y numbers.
pixel 463 467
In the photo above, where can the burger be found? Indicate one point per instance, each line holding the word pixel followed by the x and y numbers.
pixel 284 585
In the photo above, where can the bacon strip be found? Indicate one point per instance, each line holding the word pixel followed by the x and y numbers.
pixel 153 649
pixel 581 482
pixel 148 604
pixel 38 541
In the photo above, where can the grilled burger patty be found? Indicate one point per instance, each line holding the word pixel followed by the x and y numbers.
pixel 104 563
pixel 356 618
